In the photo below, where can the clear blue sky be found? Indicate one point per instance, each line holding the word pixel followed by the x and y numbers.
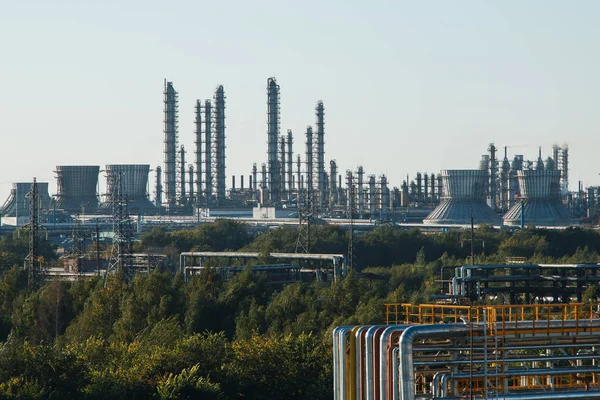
pixel 407 85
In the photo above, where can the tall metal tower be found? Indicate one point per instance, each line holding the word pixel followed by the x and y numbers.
pixel 263 176
pixel 505 195
pixel 170 141
pixel 272 137
pixel 191 194
pixel 372 200
pixel 351 211
pixel 563 166
pixel 254 182
pixel 333 190
pixel 219 145
pixel 208 181
pixel 35 272
pixel 309 168
pixel 493 177
pixel 182 196
pixel 290 176
pixel 299 186
pixel 360 173
pixel 158 188
pixel 319 157
pixel 121 261
pixel 282 171
pixel 198 150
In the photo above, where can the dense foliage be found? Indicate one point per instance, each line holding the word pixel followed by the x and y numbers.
pixel 160 337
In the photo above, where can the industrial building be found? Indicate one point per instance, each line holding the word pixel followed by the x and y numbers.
pixel 77 188
pixel 464 199
pixel 540 202
pixel 17 204
pixel 131 180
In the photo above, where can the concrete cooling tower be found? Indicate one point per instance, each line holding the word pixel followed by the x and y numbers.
pixel 464 194
pixel 17 204
pixel 134 183
pixel 540 203
pixel 76 186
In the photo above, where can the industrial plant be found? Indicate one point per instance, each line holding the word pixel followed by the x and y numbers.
pixel 297 180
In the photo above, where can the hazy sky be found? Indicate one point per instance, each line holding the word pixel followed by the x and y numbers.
pixel 407 85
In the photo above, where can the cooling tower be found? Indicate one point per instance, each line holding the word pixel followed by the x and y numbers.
pixel 134 183
pixel 540 203
pixel 76 185
pixel 17 204
pixel 464 194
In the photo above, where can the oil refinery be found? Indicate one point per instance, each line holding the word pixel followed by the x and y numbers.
pixel 300 180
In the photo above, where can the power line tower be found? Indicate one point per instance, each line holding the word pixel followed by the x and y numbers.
pixel 35 271
pixel 121 261
pixel 306 209
pixel 351 211
pixel 305 215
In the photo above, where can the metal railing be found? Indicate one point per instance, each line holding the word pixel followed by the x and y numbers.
pixel 541 317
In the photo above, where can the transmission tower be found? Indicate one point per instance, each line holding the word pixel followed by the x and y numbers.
pixel 306 210
pixel 305 215
pixel 121 261
pixel 35 271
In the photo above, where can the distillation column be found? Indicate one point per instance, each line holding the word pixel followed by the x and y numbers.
pixel 182 193
pixel 272 137
pixel 219 145
pixel 198 150
pixel 493 177
pixel 158 189
pixel 333 192
pixel 290 175
pixel 319 156
pixel 361 193
pixel 254 184
pixel 309 166
pixel 170 142
pixel 372 195
pixel 282 177
pixel 208 181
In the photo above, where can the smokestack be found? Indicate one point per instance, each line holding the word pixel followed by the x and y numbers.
pixel 241 181
pixel 233 181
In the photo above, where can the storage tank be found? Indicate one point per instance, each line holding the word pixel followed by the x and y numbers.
pixel 464 194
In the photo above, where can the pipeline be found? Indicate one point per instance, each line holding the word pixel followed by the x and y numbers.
pixel 441 379
pixel 407 378
pixel 386 343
